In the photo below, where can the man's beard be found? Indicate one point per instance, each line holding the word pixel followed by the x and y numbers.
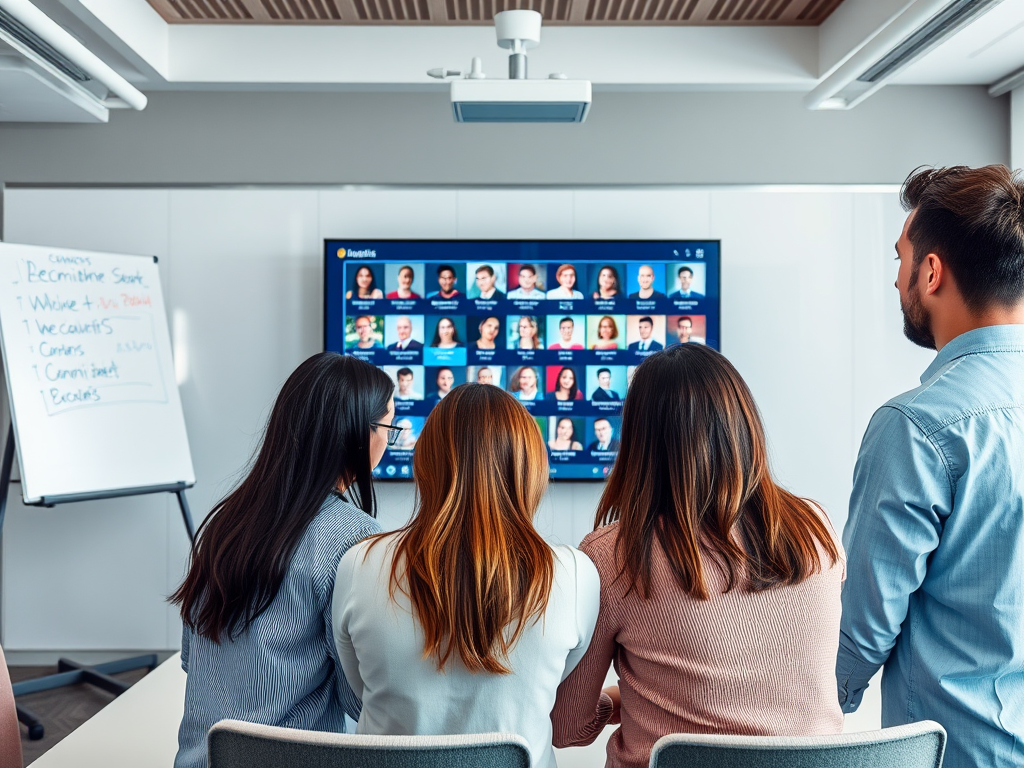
pixel 916 320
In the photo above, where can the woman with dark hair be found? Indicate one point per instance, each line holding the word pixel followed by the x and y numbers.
pixel 565 436
pixel 566 387
pixel 256 604
pixel 607 283
pixel 466 620
pixel 446 335
pixel 364 285
pixel 720 590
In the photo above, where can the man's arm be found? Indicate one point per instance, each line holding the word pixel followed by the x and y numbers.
pixel 902 494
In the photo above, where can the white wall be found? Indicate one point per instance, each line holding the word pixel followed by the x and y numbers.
pixel 409 138
pixel 810 318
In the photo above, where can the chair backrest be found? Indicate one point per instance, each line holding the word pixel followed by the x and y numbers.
pixel 918 745
pixel 234 744
pixel 10 733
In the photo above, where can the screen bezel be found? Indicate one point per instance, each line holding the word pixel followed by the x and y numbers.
pixel 510 240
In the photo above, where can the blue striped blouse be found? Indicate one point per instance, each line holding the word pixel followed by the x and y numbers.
pixel 284 669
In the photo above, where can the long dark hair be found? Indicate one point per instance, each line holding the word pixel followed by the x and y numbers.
pixel 317 437
pixel 692 468
pixel 437 332
pixel 575 385
pixel 355 281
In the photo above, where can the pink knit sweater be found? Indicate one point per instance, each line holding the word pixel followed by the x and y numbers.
pixel 760 663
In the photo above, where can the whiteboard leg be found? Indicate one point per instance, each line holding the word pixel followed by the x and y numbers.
pixel 186 515
pixel 5 474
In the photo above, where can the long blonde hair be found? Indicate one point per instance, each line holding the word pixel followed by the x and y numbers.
pixel 470 561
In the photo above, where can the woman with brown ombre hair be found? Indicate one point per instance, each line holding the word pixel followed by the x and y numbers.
pixel 720 590
pixel 466 620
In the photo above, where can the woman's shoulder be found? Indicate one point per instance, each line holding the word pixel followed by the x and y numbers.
pixel 341 524
pixel 575 564
pixel 599 545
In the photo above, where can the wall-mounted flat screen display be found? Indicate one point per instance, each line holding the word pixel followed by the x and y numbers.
pixel 561 325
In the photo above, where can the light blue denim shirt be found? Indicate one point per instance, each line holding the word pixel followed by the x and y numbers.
pixel 935 553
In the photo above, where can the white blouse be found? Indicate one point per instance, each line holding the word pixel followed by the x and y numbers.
pixel 380 645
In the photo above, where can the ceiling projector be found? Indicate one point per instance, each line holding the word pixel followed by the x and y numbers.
pixel 477 99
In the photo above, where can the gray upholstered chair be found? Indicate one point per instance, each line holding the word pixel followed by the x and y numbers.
pixel 10 733
pixel 918 745
pixel 234 744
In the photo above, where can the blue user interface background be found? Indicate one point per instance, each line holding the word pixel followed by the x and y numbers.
pixel 401 315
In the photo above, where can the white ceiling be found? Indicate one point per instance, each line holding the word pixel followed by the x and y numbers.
pixel 133 39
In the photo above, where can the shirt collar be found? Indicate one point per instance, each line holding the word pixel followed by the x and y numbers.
pixel 992 338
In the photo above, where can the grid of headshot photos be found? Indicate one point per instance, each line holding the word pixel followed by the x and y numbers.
pixel 562 336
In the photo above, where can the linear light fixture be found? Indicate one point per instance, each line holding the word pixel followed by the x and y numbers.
pixel 33 29
pixel 920 28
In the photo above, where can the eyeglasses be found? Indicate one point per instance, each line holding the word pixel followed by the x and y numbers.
pixel 393 432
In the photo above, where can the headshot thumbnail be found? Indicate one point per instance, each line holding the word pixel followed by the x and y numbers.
pixel 526 383
pixel 403 281
pixel 564 382
pixel 365 282
pixel 687 329
pixel 607 281
pixel 489 280
pixel 566 331
pixel 403 333
pixel 448 281
pixel 408 381
pixel 487 374
pixel 567 279
pixel 364 332
pixel 566 433
pixel 646 281
pixel 606 332
pixel 527 281
pixel 689 280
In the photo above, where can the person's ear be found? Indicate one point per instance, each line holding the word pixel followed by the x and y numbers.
pixel 932 272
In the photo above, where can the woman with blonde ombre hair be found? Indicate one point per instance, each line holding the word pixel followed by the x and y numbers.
pixel 466 620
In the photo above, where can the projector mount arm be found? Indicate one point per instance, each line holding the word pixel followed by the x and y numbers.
pixel 517 31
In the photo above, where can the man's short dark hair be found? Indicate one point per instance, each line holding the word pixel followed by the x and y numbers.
pixel 602 419
pixel 404 372
pixel 567 320
pixel 445 268
pixel 684 269
pixel 485 268
pixel 684 317
pixel 528 268
pixel 972 219
pixel 604 370
pixel 645 319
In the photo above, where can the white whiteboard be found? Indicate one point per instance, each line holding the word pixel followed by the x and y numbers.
pixel 87 356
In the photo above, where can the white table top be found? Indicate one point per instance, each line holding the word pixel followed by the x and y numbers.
pixel 140 728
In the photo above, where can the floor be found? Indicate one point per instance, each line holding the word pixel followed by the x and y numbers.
pixel 61 710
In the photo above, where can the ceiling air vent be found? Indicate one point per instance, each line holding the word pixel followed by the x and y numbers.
pixel 946 22
pixel 41 48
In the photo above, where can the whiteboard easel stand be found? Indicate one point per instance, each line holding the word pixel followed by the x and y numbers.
pixel 71 672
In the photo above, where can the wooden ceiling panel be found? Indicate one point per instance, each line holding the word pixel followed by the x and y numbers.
pixel 481 12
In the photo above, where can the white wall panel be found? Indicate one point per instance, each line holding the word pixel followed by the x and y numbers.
pixel 884 362
pixel 641 214
pixel 388 213
pixel 786 325
pixel 245 266
pixel 536 214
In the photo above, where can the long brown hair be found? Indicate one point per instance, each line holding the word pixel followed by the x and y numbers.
pixel 470 561
pixel 318 433
pixel 692 476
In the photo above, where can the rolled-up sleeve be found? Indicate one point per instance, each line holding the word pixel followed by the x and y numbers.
pixel 902 493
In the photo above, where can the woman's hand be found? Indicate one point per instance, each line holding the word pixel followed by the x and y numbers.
pixel 612 692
